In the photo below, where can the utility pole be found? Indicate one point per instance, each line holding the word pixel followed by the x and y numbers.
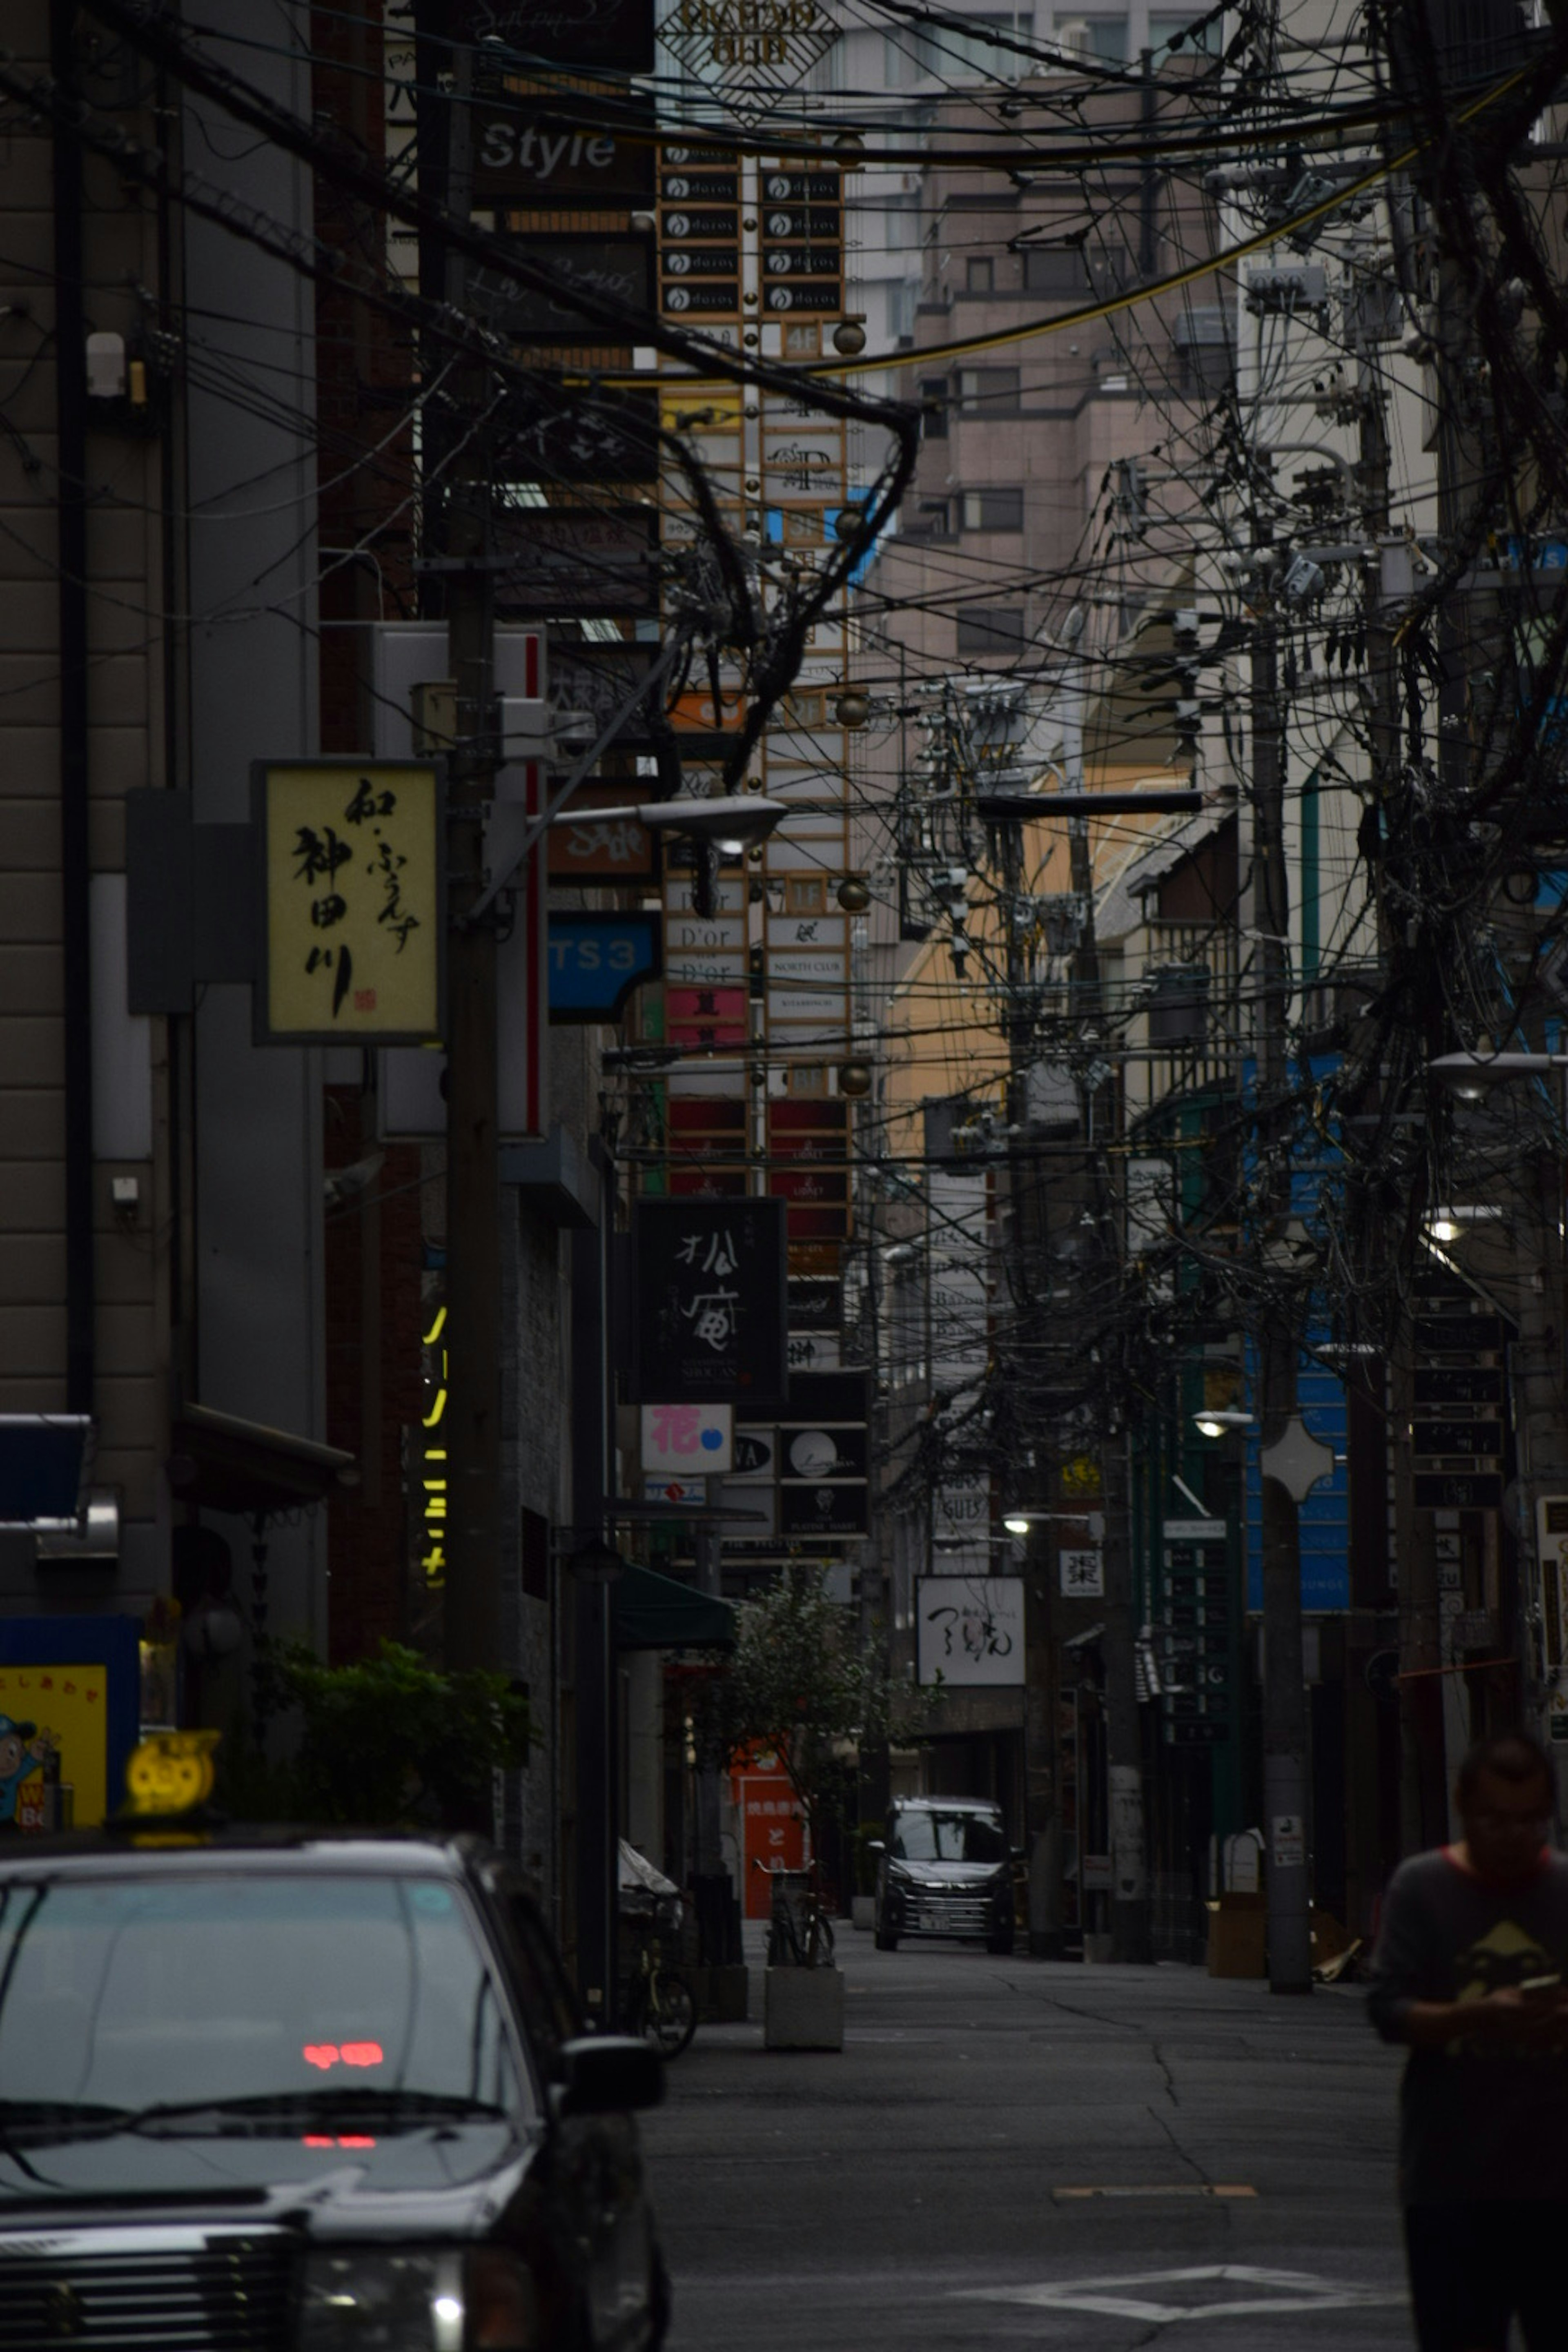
pixel 1130 1939
pixel 472 1597
pixel 1284 1680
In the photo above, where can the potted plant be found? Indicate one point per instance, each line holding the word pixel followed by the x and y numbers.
pixel 801 1682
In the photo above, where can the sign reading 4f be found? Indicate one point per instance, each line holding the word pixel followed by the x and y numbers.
pixel 353 916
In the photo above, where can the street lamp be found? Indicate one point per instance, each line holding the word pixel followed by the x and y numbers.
pixel 1472 1075
pixel 1216 1422
pixel 725 825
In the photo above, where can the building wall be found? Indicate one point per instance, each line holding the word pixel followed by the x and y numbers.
pixel 123 689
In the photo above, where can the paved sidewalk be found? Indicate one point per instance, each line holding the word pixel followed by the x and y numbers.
pixel 1010 2153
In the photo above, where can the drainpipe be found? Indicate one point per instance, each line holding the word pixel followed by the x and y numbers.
pixel 70 413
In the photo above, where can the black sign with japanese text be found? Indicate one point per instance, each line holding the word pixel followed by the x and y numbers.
pixel 612 34
pixel 710 1288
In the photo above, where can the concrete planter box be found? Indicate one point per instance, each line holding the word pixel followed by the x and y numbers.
pixel 802 2009
pixel 863 1912
pixel 722 1995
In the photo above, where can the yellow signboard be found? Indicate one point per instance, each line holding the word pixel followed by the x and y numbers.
pixel 48 1711
pixel 352 914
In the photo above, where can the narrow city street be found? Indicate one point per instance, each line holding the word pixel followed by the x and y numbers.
pixel 928 2186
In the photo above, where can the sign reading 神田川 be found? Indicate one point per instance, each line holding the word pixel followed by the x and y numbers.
pixel 352 918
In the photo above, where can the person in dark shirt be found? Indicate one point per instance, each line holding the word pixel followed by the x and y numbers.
pixel 1470 1973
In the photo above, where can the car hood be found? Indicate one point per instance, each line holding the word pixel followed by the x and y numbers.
pixel 448 2179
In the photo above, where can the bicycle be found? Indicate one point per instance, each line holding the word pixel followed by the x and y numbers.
pixel 660 2003
pixel 800 1941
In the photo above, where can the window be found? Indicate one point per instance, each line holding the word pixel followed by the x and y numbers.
pixel 993 510
pixel 947 55
pixel 988 392
pixel 979 274
pixel 903 227
pixel 1205 361
pixel 1059 271
pixel 933 403
pixel 931 519
pixel 1179 33
pixel 990 629
pixel 1098 40
pixel 947 1837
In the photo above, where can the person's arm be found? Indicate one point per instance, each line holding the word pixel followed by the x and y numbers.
pixel 1508 2014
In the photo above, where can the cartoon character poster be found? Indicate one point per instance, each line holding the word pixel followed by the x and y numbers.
pixel 48 1711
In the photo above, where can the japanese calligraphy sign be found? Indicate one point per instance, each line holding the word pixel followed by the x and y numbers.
pixel 710 1325
pixel 353 916
pixel 970 1630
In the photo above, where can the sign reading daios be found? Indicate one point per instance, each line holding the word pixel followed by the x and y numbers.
pixel 710 1280
pixel 353 921
pixel 969 1631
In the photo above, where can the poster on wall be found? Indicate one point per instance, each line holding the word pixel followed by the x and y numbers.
pixel 69 1689
pixel 969 1631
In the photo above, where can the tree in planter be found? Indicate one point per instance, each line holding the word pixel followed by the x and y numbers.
pixel 389 1741
pixel 801 1682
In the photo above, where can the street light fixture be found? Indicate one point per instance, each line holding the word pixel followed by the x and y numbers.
pixel 1216 1423
pixel 1472 1075
pixel 729 822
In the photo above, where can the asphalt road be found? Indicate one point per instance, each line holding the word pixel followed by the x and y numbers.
pixel 915 2190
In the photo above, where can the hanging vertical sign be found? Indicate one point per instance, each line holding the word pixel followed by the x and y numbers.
pixel 352 925
pixel 710 1286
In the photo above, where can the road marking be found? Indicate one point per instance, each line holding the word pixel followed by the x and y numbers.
pixel 1110 2298
pixel 1169 2188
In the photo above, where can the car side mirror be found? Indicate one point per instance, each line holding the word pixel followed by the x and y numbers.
pixel 875 1846
pixel 607 2074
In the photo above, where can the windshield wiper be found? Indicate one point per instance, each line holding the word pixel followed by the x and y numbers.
pixel 357 2101
pixel 61 2117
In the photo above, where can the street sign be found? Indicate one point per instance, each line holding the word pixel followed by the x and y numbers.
pixel 352 915
pixel 709 1316
pixel 604 35
pixel 596 961
pixel 600 436
pixel 840 1509
pixel 815 1454
pixel 525 155
pixel 1082 1574
pixel 969 1631
pixel 556 560
pixel 615 270
pixel 596 849
pixel 687 1440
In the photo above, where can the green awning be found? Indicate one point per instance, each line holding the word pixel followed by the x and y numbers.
pixel 657 1612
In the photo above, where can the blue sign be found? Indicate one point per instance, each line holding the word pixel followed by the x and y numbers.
pixel 596 961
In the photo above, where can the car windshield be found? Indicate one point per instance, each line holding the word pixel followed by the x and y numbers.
pixel 948 1837
pixel 124 1994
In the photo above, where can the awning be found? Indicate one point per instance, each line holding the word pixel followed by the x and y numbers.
pixel 657 1612
pixel 230 1465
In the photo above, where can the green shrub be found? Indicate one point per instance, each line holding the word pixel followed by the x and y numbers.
pixel 388 1741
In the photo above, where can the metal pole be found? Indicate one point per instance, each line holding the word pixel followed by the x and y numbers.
pixel 1284 1681
pixel 472 1597
pixel 1129 1921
